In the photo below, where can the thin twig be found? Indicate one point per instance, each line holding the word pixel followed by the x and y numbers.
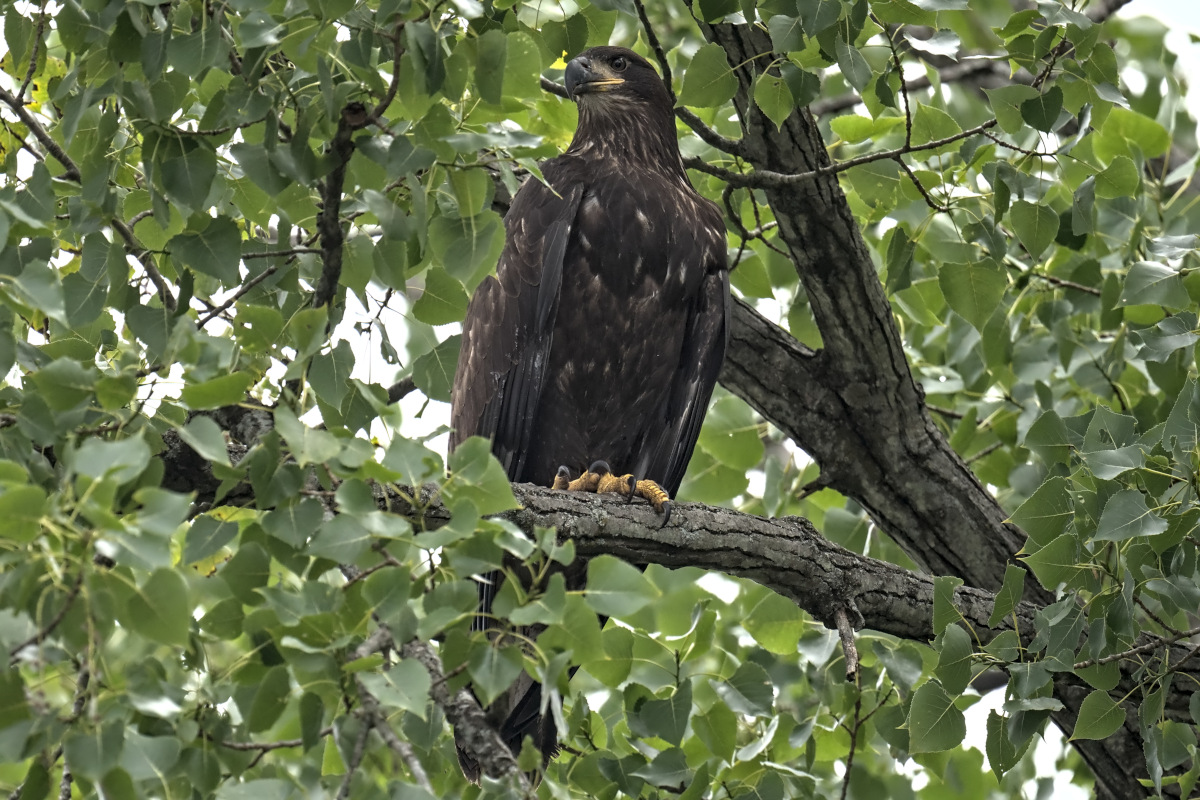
pixel 378 720
pixel 45 632
pixel 912 176
pixel 143 256
pixel 984 453
pixel 406 753
pixel 47 141
pixel 766 179
pixel 296 251
pixel 853 744
pixel 33 56
pixel 397 52
pixel 246 287
pixel 1136 651
pixel 267 746
pixel 1155 617
pixel 356 757
pixel 388 561
pixel 656 46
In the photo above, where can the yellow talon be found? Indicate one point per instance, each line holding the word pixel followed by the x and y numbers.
pixel 599 479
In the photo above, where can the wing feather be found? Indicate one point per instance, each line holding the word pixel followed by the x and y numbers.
pixel 509 328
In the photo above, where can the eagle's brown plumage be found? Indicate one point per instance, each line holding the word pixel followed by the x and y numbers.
pixel 601 336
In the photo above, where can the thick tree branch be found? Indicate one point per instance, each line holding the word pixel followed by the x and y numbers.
pixel 868 427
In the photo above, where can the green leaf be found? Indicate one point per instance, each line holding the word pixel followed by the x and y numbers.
pixel 249 569
pixel 258 29
pixel 149 757
pixel 1119 179
pixel 787 34
pixel 206 536
pixel 14 707
pixel 1125 131
pixel 160 609
pixel 1036 226
pixel 215 251
pixel 709 81
pixel 493 669
pixel 819 15
pixel 122 461
pixel 224 620
pixel 491 51
pixel 945 611
pixel 668 768
pixel 773 96
pixel 1126 515
pixel 405 687
pixel 434 372
pixel 934 723
pixel 206 438
pixel 1002 754
pixel 1042 112
pixel 775 622
pixel 473 190
pixel 666 719
pixel 270 699
pixel 854 67
pixel 1151 282
pixel 1099 717
pixel 329 372
pixel 1108 464
pixel 1047 512
pixel 477 477
pixel 21 508
pixel 1056 563
pixel 187 178
pixel 93 753
pixel 748 691
pixel 616 589
pixel 1009 595
pixel 64 383
pixel 973 290
pixel 730 434
pixel 1007 102
pixel 227 390
pixel 954 659
pixel 342 539
pixel 444 300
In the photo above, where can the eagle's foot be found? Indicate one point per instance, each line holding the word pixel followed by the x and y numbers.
pixel 600 478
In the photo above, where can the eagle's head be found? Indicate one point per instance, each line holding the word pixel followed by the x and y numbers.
pixel 608 77
pixel 625 112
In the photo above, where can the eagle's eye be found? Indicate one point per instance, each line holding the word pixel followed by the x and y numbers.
pixel 620 63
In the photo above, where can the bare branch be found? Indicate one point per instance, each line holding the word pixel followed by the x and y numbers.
pixel 45 632
pixel 36 51
pixel 39 132
pixel 762 179
pixel 1148 647
pixel 246 287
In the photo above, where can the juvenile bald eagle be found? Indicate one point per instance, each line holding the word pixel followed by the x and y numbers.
pixel 601 336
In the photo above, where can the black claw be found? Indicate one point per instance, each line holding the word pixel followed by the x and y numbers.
pixel 563 472
pixel 666 513
pixel 600 468
pixel 632 488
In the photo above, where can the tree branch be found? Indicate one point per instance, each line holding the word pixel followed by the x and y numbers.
pixel 45 632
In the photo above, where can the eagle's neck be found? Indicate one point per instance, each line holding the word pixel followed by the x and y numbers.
pixel 637 136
